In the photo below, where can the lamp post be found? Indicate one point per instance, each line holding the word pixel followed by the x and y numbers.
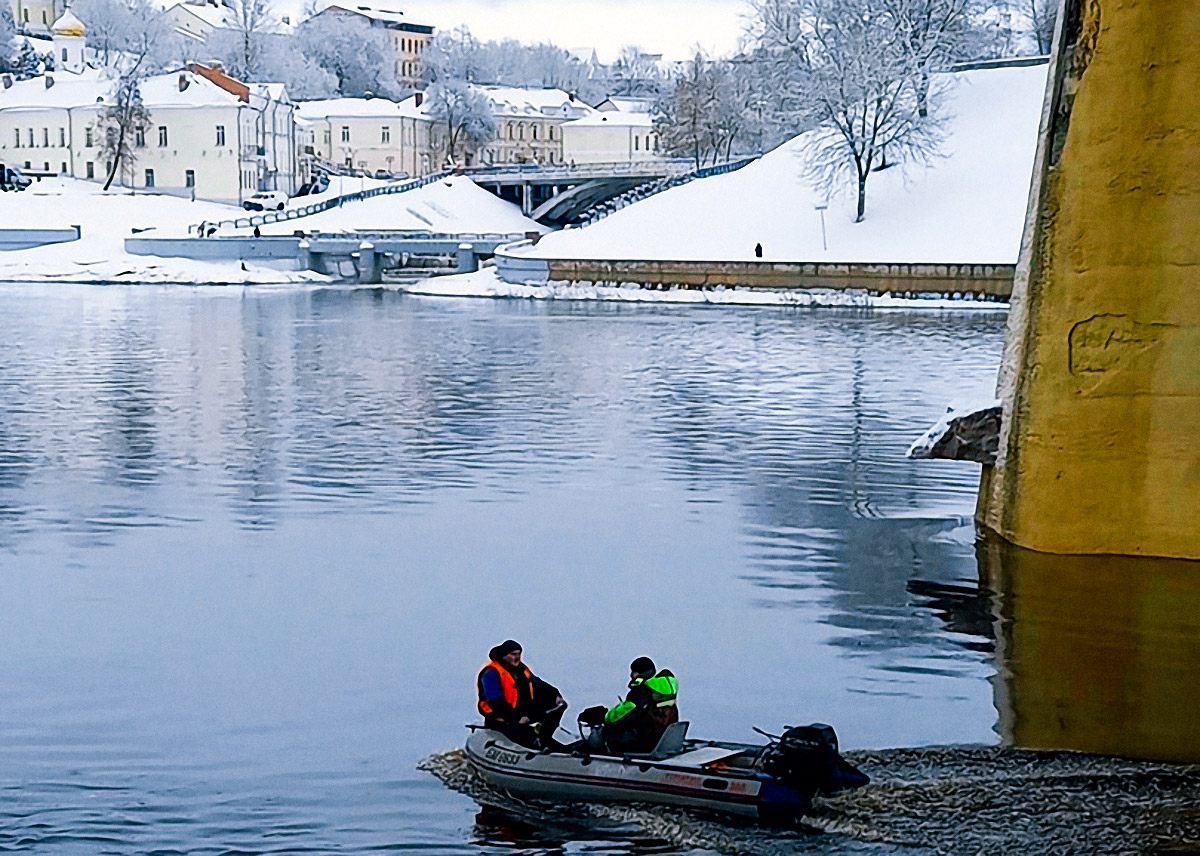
pixel 821 210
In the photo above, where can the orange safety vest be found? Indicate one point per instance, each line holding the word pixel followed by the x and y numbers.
pixel 507 682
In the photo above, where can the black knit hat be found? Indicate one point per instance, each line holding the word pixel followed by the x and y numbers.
pixel 505 647
pixel 642 666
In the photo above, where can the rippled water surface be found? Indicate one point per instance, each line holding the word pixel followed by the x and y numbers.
pixel 254 545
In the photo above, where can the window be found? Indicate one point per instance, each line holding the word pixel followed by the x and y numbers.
pixel 26 16
pixel 62 137
pixel 162 135
pixel 64 55
pixel 550 133
pixel 385 134
pixel 189 178
pixel 63 171
pixel 636 142
pixel 29 136
pixel 45 138
pixel 220 135
pixel 139 137
pixel 534 131
pixel 87 138
pixel 16 138
pixel 91 170
pixel 345 134
pixel 326 136
pixel 149 178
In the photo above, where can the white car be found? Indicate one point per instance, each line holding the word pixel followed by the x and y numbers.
pixel 266 200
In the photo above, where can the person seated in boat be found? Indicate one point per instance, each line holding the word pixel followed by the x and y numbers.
pixel 637 723
pixel 517 703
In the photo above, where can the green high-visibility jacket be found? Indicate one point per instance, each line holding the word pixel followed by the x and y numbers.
pixel 660 690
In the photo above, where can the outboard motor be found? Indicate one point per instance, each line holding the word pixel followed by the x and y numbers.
pixel 806 758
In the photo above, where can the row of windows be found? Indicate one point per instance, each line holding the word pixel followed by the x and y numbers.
pixel 516 131
pixel 89 138
pixel 385 134
pixel 412 45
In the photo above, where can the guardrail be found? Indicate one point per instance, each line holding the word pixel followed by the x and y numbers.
pixel 316 207
pixel 581 171
pixel 650 188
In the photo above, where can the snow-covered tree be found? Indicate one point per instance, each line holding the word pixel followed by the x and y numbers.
pixel 122 121
pixel 463 118
pixel 636 73
pixel 1038 17
pixel 358 56
pixel 708 112
pixel 119 31
pixel 846 69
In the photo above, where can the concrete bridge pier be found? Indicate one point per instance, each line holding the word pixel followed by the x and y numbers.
pixel 369 264
pixel 1099 449
pixel 467 261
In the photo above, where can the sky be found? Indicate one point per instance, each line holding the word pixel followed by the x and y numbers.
pixel 670 27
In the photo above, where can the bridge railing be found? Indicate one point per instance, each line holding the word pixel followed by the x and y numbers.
pixel 587 170
pixel 650 188
pixel 315 207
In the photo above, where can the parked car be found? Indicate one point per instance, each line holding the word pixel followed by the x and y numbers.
pixel 264 200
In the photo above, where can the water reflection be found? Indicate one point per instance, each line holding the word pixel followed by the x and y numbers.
pixel 1097 653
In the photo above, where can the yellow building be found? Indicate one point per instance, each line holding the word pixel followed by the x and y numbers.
pixel 369 134
pixel 610 137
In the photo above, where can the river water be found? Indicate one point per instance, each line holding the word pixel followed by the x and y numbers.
pixel 255 544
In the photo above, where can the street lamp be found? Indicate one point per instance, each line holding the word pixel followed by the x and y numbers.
pixel 821 210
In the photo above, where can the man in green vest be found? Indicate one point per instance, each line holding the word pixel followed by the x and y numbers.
pixel 637 723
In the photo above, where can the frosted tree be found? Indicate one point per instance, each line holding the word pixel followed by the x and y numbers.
pixel 123 119
pixel 1038 17
pixel 358 56
pixel 846 69
pixel 120 31
pixel 636 73
pixel 934 34
pixel 462 116
pixel 704 115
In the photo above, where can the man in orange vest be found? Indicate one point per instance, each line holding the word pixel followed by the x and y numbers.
pixel 517 703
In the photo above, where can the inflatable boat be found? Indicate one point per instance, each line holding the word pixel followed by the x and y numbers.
pixel 775 783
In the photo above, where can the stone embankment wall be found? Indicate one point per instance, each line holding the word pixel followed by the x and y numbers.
pixel 989 281
pixel 24 239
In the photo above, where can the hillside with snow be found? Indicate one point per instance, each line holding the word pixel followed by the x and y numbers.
pixel 455 204
pixel 966 207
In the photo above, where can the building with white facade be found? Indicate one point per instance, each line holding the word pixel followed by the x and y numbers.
pixel 37 16
pixel 210 136
pixel 529 124
pixel 369 134
pixel 610 137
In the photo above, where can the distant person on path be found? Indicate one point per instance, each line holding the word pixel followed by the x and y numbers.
pixel 637 723
pixel 517 703
pixel 758 251
pixel 257 233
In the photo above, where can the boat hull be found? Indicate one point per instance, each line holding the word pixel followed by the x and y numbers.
pixel 557 777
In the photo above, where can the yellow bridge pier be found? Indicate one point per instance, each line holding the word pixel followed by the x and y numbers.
pixel 1098 465
pixel 1100 440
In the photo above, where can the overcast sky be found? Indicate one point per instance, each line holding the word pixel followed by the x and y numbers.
pixel 669 27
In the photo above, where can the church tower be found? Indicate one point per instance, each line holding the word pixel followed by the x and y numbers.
pixel 69 41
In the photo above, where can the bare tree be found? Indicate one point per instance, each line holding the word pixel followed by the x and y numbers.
pixel 933 34
pixel 846 68
pixel 463 117
pixel 1038 17
pixel 122 121
pixel 706 112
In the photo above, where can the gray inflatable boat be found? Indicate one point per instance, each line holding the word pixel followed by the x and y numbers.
pixel 775 782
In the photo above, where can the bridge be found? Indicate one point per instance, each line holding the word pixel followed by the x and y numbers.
pixel 557 195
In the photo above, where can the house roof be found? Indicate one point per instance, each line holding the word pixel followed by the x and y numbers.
pixel 513 101
pixel 359 108
pixel 614 119
pixel 387 17
pixel 94 87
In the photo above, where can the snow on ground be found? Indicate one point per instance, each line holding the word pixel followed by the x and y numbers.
pixel 455 204
pixel 485 283
pixel 105 221
pixel 967 207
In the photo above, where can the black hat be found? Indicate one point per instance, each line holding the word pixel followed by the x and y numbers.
pixel 505 647
pixel 642 666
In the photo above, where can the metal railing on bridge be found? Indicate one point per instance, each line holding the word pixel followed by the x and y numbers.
pixel 316 207
pixel 650 188
pixel 581 172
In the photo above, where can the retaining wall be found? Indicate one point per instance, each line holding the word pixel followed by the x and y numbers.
pixel 994 281
pixel 24 239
